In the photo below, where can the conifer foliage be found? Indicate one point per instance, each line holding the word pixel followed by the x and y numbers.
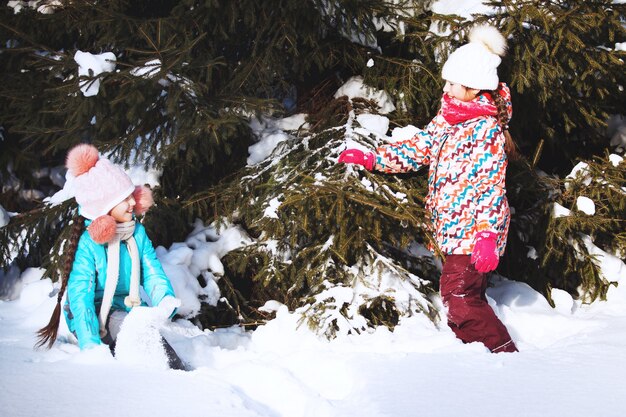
pixel 328 236
pixel 182 82
pixel 562 55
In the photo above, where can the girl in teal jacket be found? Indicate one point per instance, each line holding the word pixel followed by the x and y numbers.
pixel 109 255
pixel 87 282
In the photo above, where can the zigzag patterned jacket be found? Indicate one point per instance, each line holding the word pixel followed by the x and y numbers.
pixel 466 180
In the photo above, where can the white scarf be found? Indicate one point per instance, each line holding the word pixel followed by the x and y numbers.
pixel 124 232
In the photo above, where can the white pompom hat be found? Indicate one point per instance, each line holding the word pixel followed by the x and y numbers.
pixel 475 64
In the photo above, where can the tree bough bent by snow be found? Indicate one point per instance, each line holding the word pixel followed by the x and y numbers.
pixel 343 246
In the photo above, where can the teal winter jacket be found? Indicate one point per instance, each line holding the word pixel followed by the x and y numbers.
pixel 85 287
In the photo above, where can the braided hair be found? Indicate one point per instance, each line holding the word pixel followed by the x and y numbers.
pixel 503 119
pixel 47 335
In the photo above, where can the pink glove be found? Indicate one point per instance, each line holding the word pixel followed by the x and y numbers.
pixel 485 254
pixel 355 156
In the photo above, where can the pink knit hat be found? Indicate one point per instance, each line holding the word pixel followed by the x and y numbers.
pixel 99 186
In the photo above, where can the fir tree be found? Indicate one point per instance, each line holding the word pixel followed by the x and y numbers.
pixel 560 234
pixel 188 78
pixel 566 73
pixel 335 243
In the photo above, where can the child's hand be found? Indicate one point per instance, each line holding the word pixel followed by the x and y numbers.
pixel 168 306
pixel 485 254
pixel 356 156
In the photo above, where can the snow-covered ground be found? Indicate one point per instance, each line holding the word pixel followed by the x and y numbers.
pixel 571 363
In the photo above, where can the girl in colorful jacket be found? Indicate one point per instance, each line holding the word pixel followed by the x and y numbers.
pixel 466 147
pixel 109 260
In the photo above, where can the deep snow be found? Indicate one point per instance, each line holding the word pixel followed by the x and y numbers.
pixel 571 363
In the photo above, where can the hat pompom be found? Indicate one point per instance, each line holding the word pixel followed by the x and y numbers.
pixel 143 199
pixel 81 159
pixel 102 229
pixel 490 37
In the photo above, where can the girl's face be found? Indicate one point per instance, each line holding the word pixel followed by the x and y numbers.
pixel 123 212
pixel 460 92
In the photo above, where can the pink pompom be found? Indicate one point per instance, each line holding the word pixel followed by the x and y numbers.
pixel 81 159
pixel 102 229
pixel 143 199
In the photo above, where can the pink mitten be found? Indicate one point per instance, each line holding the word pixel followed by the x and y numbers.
pixel 356 156
pixel 485 254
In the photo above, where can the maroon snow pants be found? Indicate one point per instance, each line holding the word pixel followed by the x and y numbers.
pixel 469 315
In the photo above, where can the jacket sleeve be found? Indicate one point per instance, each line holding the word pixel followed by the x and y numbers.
pixel 488 174
pixel 154 280
pixel 405 156
pixel 80 292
